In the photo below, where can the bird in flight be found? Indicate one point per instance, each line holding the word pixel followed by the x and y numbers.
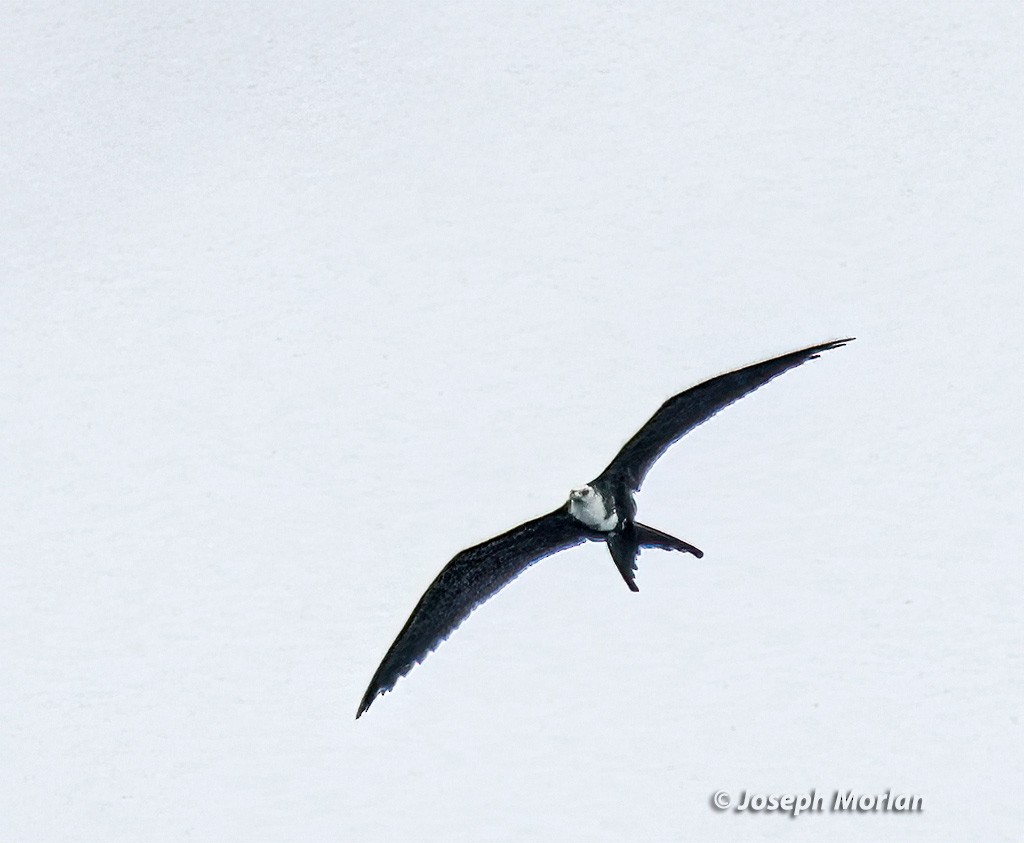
pixel 602 510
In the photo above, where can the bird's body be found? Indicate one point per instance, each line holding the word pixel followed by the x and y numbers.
pixel 602 510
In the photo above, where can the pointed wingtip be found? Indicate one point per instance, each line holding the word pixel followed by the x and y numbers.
pixel 828 346
pixel 367 700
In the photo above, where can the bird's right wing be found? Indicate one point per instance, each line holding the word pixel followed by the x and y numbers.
pixel 472 576
pixel 683 412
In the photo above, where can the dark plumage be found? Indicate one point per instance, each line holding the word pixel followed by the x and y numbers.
pixel 602 510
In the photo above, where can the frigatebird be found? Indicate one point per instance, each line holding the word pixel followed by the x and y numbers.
pixel 602 510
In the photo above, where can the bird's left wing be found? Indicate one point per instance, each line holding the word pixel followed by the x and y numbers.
pixel 464 583
pixel 683 412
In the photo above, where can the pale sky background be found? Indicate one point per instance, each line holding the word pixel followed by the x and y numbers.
pixel 298 300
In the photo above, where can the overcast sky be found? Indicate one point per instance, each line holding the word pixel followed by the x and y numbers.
pixel 299 300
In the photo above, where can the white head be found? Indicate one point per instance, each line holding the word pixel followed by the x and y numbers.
pixel 588 505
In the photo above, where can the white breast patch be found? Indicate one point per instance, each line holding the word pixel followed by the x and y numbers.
pixel 591 510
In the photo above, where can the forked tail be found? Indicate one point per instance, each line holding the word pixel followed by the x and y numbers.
pixel 649 537
pixel 625 546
